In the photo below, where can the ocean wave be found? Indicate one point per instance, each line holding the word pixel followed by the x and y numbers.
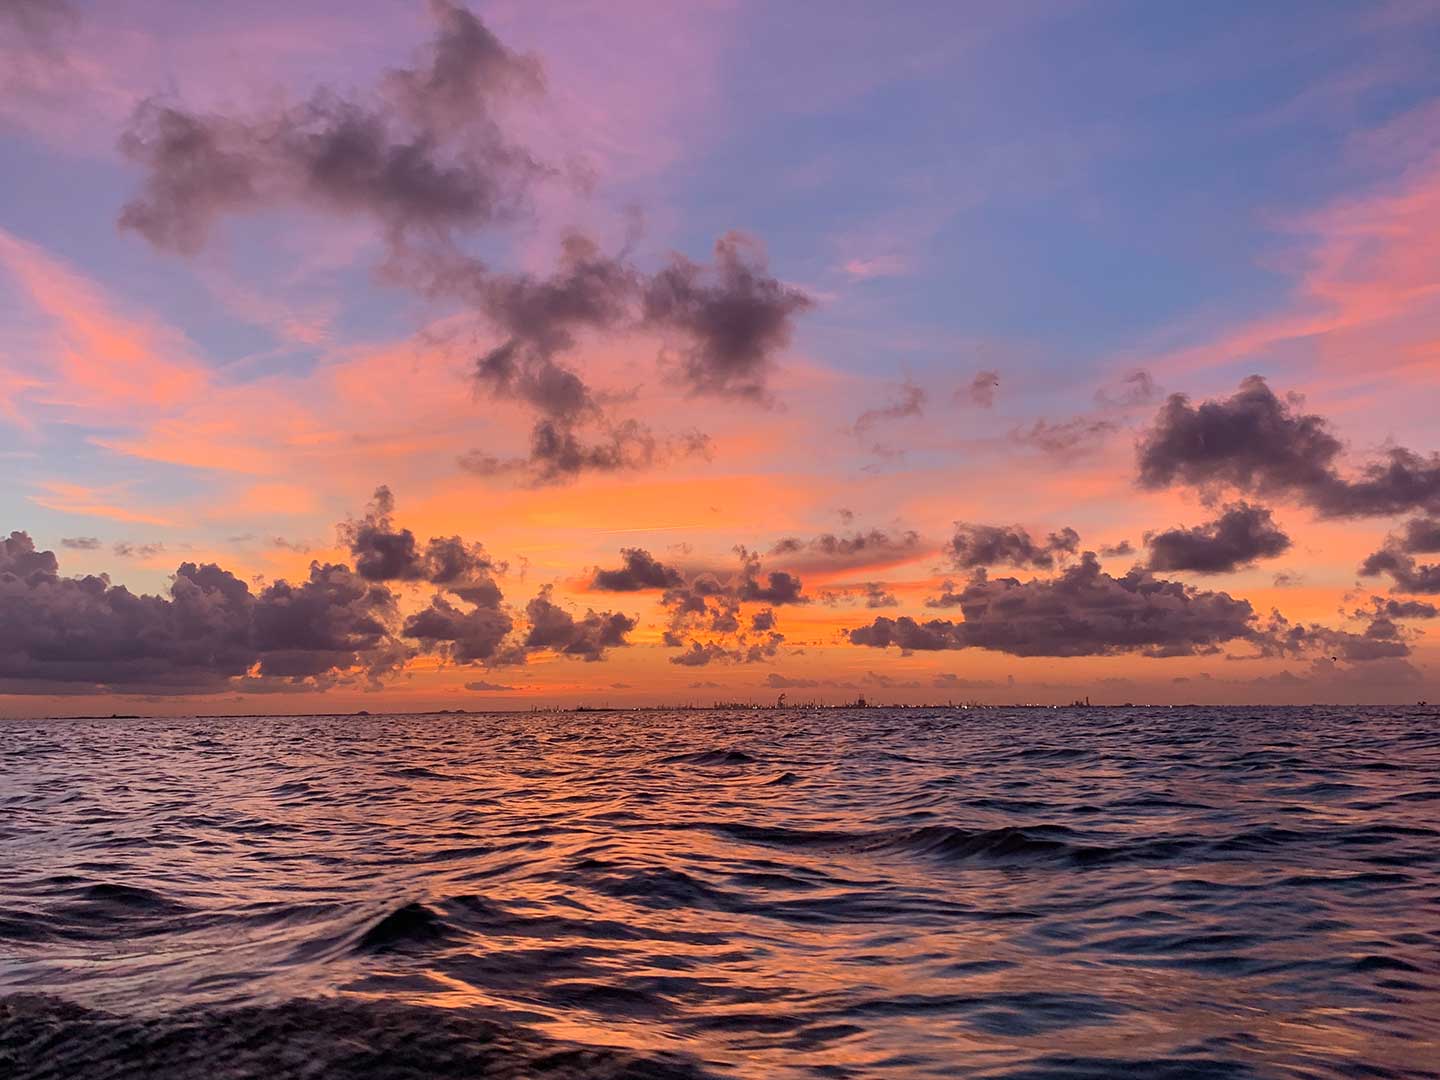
pixel 407 926
pixel 711 757
pixel 785 896
pixel 45 1038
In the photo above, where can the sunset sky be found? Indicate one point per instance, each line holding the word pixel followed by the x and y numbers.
pixel 388 355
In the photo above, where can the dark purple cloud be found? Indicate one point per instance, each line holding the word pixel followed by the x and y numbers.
pixel 1381 639
pixel 83 634
pixel 332 622
pixel 948 597
pixel 1083 612
pixel 554 628
pixel 541 318
pixel 728 319
pixel 701 654
pixel 639 570
pixel 1239 537
pixel 422 155
pixel 476 635
pixel 1256 443
pixel 1405 571
pixel 340 624
pixel 998 545
pixel 1408 609
pixel 384 552
pixel 707 617
pixel 1421 536
pixel 1397 558
pixel 778 587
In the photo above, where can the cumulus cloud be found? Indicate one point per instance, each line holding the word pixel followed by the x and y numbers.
pixel 728 319
pixel 1408 574
pixel 211 631
pixel 1409 609
pixel 481 633
pixel 778 587
pixel 1421 535
pixel 997 545
pixel 707 615
pixel 477 635
pixel 82 634
pixel 1239 537
pixel 80 543
pixel 332 622
pixel 1083 612
pixel 1255 442
pixel 383 552
pixel 700 654
pixel 1381 638
pixel 554 628
pixel 948 597
pixel 1397 557
pixel 540 319
pixel 639 570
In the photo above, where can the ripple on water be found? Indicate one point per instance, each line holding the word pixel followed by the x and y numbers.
pixel 1047 894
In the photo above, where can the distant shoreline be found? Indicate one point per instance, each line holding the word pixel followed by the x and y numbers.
pixel 718 707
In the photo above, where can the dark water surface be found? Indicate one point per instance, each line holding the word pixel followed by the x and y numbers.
pixel 997 893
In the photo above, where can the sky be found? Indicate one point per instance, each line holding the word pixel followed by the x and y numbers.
pixel 395 355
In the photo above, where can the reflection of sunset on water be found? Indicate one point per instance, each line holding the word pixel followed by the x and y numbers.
pixel 777 891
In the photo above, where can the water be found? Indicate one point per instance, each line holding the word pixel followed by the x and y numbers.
pixel 991 893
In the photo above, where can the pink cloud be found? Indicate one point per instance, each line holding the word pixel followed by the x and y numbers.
pixel 97 359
